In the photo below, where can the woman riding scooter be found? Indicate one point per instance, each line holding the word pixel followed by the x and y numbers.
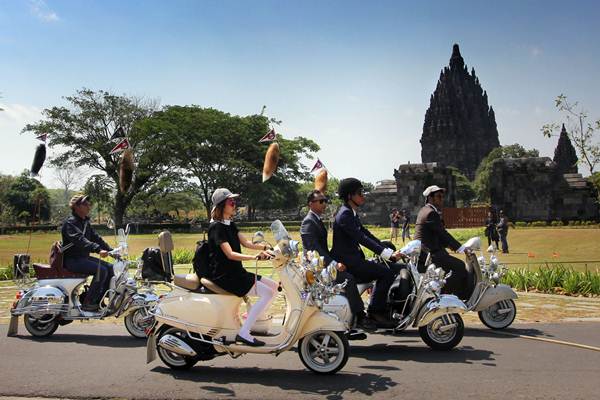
pixel 225 241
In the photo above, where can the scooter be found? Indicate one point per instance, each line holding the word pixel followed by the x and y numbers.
pixel 55 299
pixel 492 300
pixel 199 320
pixel 436 315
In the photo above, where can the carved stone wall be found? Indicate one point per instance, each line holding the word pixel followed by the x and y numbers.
pixel 535 189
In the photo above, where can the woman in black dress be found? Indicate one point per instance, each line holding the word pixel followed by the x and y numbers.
pixel 490 229
pixel 225 241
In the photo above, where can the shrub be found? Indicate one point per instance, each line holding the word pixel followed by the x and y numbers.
pixel 538 223
pixel 556 223
pixel 520 224
pixel 182 256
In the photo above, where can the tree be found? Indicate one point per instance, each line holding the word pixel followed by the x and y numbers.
pixel 582 133
pixel 481 184
pixel 28 199
pixel 101 190
pixel 68 176
pixel 82 133
pixel 465 193
pixel 214 149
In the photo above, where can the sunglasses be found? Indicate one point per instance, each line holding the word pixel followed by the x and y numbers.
pixel 231 202
pixel 320 201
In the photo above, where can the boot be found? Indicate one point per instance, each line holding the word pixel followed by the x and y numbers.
pixel 382 321
pixel 365 323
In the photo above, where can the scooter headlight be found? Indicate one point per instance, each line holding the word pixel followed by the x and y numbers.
pixel 434 287
pixel 310 278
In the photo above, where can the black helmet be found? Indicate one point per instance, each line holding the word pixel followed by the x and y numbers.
pixel 348 186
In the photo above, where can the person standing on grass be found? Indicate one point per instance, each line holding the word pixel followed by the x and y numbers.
pixel 394 225
pixel 490 230
pixel 405 226
pixel 502 227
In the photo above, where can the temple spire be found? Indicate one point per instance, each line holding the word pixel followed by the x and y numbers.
pixel 456 60
pixel 565 155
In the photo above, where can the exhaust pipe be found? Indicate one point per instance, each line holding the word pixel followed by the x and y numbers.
pixel 176 345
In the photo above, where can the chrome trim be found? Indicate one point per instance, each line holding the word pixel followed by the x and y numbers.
pixel 435 308
pixel 174 344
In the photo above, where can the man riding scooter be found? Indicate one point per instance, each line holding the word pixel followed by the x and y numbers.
pixel 430 230
pixel 348 235
pixel 314 237
pixel 79 240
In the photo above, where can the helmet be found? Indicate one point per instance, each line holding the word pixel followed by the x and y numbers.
pixel 348 186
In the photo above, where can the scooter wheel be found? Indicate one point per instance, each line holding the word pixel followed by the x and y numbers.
pixel 171 359
pixel 136 323
pixel 493 319
pixel 41 327
pixel 324 352
pixel 436 337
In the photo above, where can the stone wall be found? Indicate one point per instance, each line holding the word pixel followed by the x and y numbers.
pixel 534 189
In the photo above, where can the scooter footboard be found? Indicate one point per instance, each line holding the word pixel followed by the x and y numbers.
pixel 495 294
pixel 435 308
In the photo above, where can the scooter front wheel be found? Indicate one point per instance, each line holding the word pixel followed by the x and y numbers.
pixel 499 315
pixel 172 359
pixel 443 333
pixel 43 326
pixel 324 352
pixel 137 322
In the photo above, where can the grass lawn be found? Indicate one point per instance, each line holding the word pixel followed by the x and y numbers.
pixel 528 246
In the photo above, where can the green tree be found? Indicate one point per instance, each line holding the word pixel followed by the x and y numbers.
pixel 28 199
pixel 101 190
pixel 583 134
pixel 465 193
pixel 481 184
pixel 212 149
pixel 595 179
pixel 81 134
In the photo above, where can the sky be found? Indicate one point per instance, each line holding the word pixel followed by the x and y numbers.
pixel 354 76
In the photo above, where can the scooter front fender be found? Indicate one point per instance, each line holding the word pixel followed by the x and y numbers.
pixel 435 308
pixel 322 321
pixel 495 294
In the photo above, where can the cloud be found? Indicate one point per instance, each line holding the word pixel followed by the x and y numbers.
pixel 15 115
pixel 535 51
pixel 40 9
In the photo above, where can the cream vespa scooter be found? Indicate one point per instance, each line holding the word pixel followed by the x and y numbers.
pixel 199 320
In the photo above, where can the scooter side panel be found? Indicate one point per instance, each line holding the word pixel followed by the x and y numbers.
pixel 339 306
pixel 321 321
pixel 495 294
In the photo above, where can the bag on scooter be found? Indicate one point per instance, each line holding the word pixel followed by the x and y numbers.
pixel 202 261
pixel 152 268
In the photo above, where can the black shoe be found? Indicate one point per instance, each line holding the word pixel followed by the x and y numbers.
pixel 382 321
pixel 253 343
pixel 365 323
pixel 90 307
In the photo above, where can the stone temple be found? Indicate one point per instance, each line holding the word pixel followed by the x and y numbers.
pixel 460 127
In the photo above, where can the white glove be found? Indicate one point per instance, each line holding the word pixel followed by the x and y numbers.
pixel 386 254
pixel 461 249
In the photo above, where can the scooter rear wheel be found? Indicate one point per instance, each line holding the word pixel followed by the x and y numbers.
pixel 494 320
pixel 437 338
pixel 43 326
pixel 171 359
pixel 135 323
pixel 324 352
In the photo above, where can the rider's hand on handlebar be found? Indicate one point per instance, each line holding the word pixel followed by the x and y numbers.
pixel 103 253
pixel 340 267
pixel 398 255
pixel 265 255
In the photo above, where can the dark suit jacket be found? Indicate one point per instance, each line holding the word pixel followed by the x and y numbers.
pixel 349 234
pixel 314 236
pixel 430 230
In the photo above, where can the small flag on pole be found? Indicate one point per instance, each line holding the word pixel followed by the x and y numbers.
pixel 531 255
pixel 555 254
pixel 42 137
pixel 318 166
pixel 123 144
pixel 269 137
pixel 119 133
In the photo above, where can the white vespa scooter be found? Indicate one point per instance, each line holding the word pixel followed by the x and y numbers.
pixel 436 315
pixel 493 301
pixel 199 321
pixel 54 299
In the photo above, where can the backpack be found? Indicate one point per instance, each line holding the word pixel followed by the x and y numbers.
pixel 204 263
pixel 152 268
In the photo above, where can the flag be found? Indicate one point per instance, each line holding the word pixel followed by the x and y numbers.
pixel 42 137
pixel 123 144
pixel 555 254
pixel 318 166
pixel 119 133
pixel 269 137
pixel 530 255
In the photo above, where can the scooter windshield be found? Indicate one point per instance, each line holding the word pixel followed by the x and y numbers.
pixel 279 231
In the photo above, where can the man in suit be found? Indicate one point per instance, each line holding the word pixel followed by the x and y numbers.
pixel 314 237
pixel 348 235
pixel 430 230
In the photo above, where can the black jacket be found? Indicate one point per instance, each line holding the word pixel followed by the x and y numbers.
pixel 430 230
pixel 82 244
pixel 314 236
pixel 349 234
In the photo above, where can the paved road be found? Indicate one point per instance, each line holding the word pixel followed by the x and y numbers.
pixel 102 361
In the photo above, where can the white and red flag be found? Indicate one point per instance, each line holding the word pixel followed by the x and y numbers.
pixel 123 144
pixel 318 166
pixel 42 137
pixel 269 137
pixel 118 133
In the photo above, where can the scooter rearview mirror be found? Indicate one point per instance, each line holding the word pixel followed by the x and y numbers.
pixel 258 237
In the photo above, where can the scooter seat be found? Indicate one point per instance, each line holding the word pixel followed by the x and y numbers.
pixel 213 287
pixel 45 271
pixel 187 281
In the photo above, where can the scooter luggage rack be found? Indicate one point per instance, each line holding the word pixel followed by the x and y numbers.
pixel 46 308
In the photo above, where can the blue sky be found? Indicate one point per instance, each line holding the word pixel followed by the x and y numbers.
pixel 354 76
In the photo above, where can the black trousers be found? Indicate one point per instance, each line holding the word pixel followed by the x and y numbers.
pixel 101 270
pixel 351 292
pixel 458 283
pixel 368 271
